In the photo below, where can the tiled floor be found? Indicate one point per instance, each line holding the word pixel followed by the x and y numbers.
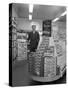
pixel 21 76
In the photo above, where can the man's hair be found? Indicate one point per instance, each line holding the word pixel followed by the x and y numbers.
pixel 33 25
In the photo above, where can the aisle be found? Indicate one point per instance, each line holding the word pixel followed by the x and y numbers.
pixel 21 76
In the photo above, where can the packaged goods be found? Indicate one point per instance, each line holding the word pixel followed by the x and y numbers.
pixel 13 30
pixel 22 50
pixel 14 53
pixel 14 36
pixel 49 51
pixel 49 67
pixel 14 43
pixel 59 50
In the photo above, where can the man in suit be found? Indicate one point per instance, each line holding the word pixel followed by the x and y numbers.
pixel 33 38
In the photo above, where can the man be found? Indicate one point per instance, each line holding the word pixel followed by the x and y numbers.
pixel 33 39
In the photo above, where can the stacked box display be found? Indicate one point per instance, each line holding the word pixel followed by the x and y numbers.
pixel 31 63
pixel 49 67
pixel 39 55
pixel 37 64
pixel 43 64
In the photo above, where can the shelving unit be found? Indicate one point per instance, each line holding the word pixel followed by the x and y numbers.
pixel 22 50
pixel 17 42
pixel 22 45
pixel 13 37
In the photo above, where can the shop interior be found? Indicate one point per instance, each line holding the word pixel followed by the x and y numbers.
pixel 54 56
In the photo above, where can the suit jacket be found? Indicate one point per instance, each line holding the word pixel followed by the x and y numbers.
pixel 34 39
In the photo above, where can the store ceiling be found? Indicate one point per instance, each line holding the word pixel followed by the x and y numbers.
pixel 39 11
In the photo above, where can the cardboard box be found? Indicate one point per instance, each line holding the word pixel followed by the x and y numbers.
pixel 49 67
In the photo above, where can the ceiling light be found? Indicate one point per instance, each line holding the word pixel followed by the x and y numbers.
pixel 30 17
pixel 55 19
pixel 63 13
pixel 30 8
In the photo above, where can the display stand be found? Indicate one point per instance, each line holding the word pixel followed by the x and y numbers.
pixel 44 69
pixel 48 79
pixel 42 78
pixel 45 79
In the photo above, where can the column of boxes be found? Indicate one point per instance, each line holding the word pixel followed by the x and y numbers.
pixel 49 67
pixel 31 62
pixel 38 63
pixel 40 66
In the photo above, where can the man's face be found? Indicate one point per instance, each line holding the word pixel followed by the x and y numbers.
pixel 33 27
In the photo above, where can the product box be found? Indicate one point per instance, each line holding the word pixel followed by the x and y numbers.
pixel 49 51
pixel 49 67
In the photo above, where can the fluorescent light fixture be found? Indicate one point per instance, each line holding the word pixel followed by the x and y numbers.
pixel 63 13
pixel 30 8
pixel 30 17
pixel 55 19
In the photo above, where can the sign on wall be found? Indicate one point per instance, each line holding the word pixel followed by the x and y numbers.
pixel 47 28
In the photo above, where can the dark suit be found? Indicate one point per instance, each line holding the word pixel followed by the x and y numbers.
pixel 34 39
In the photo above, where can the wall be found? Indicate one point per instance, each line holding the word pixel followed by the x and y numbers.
pixel 25 24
